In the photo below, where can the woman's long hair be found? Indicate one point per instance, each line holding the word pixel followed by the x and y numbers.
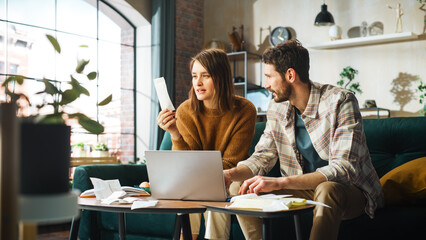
pixel 216 62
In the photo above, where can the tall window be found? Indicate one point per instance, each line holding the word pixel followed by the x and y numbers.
pixel 109 41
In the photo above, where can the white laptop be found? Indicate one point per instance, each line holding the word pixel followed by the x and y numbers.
pixel 186 175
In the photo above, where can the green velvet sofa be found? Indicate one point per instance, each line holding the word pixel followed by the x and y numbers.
pixel 391 142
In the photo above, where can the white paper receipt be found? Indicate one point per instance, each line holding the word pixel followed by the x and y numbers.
pixel 163 95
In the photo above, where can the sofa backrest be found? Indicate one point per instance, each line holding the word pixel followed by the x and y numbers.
pixel 391 141
pixel 395 141
pixel 166 143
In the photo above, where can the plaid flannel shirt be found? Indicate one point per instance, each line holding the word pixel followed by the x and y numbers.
pixel 334 123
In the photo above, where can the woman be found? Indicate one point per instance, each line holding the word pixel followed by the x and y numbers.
pixel 213 118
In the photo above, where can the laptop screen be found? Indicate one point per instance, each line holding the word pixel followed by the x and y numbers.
pixel 186 175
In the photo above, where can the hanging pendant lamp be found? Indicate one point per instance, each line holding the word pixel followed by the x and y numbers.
pixel 324 18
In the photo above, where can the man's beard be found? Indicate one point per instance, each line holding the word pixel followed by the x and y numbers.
pixel 285 95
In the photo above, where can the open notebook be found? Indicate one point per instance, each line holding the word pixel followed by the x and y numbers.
pixel 186 175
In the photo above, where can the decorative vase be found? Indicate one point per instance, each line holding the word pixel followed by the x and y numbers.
pixel 335 32
pixel 45 158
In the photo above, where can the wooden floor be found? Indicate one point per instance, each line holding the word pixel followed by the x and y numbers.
pixel 54 232
pixel 54 236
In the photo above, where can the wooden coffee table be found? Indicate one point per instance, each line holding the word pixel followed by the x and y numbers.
pixel 182 209
pixel 265 216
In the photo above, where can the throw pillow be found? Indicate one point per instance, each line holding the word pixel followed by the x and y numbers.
pixel 405 184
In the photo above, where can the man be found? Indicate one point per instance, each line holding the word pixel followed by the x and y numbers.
pixel 315 131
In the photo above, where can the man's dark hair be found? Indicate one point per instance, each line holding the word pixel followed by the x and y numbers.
pixel 289 54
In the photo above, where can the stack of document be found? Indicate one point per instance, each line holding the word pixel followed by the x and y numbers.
pixel 104 188
pixel 269 202
pixel 111 192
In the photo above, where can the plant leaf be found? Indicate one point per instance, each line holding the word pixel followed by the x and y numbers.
pixel 54 43
pixel 81 65
pixel 19 79
pixel 77 87
pixel 49 87
pixel 88 124
pixel 105 101
pixel 92 75
pixel 69 96
pixel 14 78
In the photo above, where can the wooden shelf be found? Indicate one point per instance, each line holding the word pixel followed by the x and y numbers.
pixel 77 161
pixel 238 56
pixel 377 110
pixel 359 41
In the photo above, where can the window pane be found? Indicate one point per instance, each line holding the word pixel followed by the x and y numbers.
pixel 78 17
pixel 36 13
pixel 116 143
pixel 2 47
pixel 112 27
pixel 127 148
pixel 110 115
pixel 2 9
pixel 30 87
pixel 87 139
pixel 84 104
pixel 71 51
pixel 118 119
pixel 110 65
pixel 2 90
pixel 29 52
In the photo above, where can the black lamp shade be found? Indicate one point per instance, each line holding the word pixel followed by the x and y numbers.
pixel 324 18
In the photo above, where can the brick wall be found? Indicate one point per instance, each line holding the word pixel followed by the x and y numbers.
pixel 189 41
pixel 127 96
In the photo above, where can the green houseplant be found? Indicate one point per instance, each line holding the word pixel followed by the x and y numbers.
pixel 346 78
pixel 78 149
pixel 45 139
pixel 421 88
pixel 100 149
pixel 60 99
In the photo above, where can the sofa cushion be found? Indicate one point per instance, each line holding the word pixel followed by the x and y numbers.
pixel 406 183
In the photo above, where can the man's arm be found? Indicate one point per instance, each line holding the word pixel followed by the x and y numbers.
pixel 260 184
pixel 239 173
pixel 348 149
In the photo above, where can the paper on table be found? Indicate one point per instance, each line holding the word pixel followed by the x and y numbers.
pixel 144 204
pixel 119 200
pixel 163 95
pixel 254 195
pixel 269 202
pixel 113 197
pixel 104 188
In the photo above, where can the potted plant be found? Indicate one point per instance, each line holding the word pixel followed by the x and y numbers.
pixel 78 150
pixel 422 98
pixel 100 149
pixel 346 78
pixel 45 139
